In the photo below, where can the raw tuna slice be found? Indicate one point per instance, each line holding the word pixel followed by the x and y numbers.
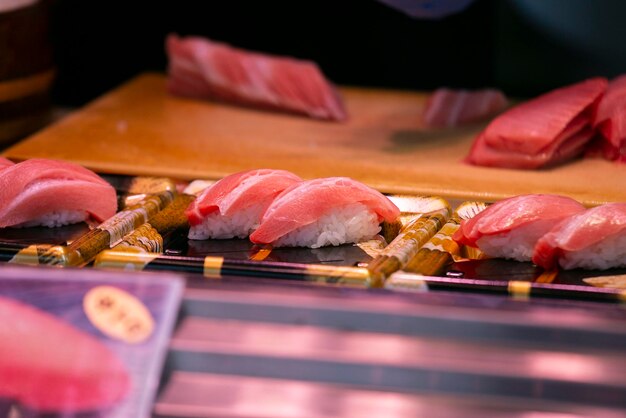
pixel 594 239
pixel 537 130
pixel 327 211
pixel 53 193
pixel 600 147
pixel 610 120
pixel 449 108
pixel 46 365
pixel 568 145
pixel 205 69
pixel 610 115
pixel 511 227
pixel 4 163
pixel 233 206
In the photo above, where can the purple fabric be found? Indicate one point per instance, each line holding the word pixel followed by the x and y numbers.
pixel 428 9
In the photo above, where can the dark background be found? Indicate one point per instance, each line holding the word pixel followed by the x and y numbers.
pixel 100 44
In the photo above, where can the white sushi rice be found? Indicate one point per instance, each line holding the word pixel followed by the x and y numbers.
pixel 56 218
pixel 517 244
pixel 198 186
pixel 218 226
pixel 351 223
pixel 608 253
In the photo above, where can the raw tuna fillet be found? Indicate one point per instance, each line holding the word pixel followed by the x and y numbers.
pixel 610 115
pixel 324 211
pixel 557 152
pixel 594 239
pixel 449 108
pixel 511 227
pixel 610 121
pixel 601 147
pixel 205 69
pixel 546 130
pixel 47 365
pixel 53 193
pixel 233 206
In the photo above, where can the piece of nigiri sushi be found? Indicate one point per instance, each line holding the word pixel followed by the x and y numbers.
pixel 593 239
pixel 233 206
pixel 53 193
pixel 47 365
pixel 511 227
pixel 327 211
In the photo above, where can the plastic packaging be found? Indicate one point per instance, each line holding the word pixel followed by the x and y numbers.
pixel 83 343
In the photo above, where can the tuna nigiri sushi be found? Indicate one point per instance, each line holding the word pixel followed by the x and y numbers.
pixel 47 365
pixel 511 227
pixel 593 239
pixel 233 206
pixel 52 193
pixel 327 211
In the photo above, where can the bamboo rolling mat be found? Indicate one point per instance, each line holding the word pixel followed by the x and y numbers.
pixel 138 129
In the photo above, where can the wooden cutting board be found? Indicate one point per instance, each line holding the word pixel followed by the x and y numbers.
pixel 139 129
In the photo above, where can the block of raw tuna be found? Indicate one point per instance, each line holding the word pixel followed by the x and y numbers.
pixel 610 121
pixel 204 69
pixel 48 366
pixel 543 131
pixel 610 115
pixel 447 108
pixel 52 193
pixel 601 147
pixel 593 239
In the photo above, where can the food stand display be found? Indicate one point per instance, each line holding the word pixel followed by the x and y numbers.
pixel 307 332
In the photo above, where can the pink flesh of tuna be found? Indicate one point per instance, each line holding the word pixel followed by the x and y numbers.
pixel 449 108
pixel 600 147
pixel 305 202
pixel 4 163
pixel 614 128
pixel 204 69
pixel 48 365
pixel 239 191
pixel 532 126
pixel 508 214
pixel 33 188
pixel 613 99
pixel 568 145
pixel 580 231
pixel 610 114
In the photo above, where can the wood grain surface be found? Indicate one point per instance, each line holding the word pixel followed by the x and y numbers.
pixel 138 129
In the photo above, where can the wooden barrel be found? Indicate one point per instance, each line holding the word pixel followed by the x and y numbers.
pixel 26 67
